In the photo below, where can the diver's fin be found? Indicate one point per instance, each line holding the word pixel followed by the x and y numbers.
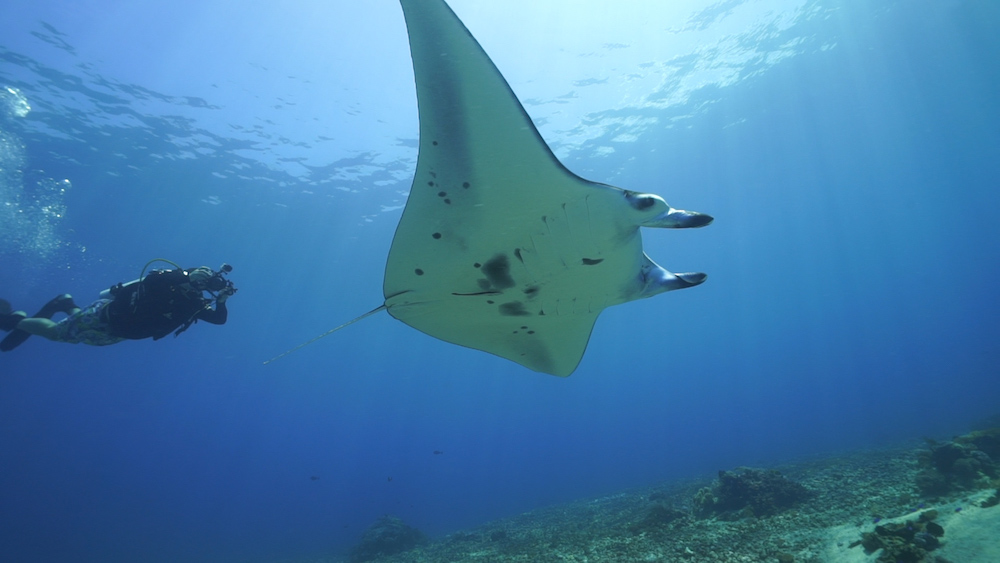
pixel 59 304
pixel 10 320
pixel 13 340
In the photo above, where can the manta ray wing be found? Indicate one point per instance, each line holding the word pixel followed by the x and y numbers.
pixel 500 248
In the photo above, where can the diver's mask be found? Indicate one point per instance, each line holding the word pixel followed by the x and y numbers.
pixel 205 279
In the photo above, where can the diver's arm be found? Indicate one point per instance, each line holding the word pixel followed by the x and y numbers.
pixel 215 316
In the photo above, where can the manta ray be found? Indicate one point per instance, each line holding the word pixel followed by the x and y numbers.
pixel 500 248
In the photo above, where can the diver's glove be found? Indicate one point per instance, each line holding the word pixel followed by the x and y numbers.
pixel 225 293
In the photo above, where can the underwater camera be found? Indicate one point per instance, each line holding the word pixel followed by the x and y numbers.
pixel 218 283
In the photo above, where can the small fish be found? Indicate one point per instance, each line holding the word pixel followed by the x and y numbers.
pixel 438 452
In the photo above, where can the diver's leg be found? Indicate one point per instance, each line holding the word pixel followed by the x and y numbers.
pixel 9 321
pixel 62 303
pixel 39 327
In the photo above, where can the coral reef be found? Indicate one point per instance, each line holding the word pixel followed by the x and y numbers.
pixel 986 441
pixel 748 492
pixel 387 536
pixel 966 462
pixel 904 542
pixel 849 494
pixel 658 516
pixel 992 501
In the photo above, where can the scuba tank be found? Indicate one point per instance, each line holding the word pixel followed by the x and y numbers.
pixel 215 283
pixel 110 292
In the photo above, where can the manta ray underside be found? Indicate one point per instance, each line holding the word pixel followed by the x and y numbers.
pixel 500 247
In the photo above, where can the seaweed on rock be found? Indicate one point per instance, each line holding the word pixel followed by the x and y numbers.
pixel 908 542
pixel 748 492
pixel 387 536
pixel 966 462
pixel 658 516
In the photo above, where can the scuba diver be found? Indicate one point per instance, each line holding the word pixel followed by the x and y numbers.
pixel 153 306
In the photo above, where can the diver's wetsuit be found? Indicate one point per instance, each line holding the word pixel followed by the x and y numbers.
pixel 157 305
pixel 152 307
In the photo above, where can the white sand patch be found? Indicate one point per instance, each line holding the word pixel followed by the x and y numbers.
pixel 971 535
pixel 839 538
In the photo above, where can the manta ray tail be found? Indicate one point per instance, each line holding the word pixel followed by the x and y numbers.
pixel 327 333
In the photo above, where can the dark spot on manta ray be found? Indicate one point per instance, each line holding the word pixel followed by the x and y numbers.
pixel 442 194
pixel 448 201
pixel 513 309
pixel 431 184
pixel 435 143
pixel 418 271
pixel 497 270
pixel 641 203
pixel 531 290
pixel 466 185
pixel 490 302
pixel 531 332
pixel 476 265
pixel 517 252
pixel 591 262
pixel 436 235
pixel 434 175
pixel 524 328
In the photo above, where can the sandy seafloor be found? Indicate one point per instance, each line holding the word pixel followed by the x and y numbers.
pixel 850 492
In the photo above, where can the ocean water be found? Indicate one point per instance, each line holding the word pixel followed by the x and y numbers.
pixel 849 151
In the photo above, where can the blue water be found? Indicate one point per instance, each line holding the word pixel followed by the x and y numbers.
pixel 850 152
